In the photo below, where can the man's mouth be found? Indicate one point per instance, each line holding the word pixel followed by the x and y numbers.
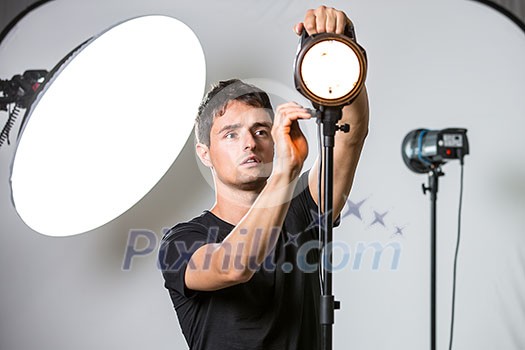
pixel 251 160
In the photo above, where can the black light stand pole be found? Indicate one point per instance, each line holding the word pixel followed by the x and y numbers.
pixel 433 180
pixel 328 305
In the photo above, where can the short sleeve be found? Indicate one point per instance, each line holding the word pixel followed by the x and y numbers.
pixel 176 249
pixel 303 199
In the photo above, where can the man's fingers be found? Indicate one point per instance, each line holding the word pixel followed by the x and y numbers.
pixel 324 20
pixel 298 28
pixel 331 20
pixel 320 19
pixel 294 114
pixel 289 113
pixel 291 108
pixel 287 106
pixel 309 22
pixel 341 22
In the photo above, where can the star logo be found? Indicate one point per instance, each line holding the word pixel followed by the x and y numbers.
pixel 316 220
pixel 379 218
pixel 352 208
pixel 292 239
pixel 399 231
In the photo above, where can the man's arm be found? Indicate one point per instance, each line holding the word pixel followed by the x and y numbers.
pixel 348 146
pixel 235 260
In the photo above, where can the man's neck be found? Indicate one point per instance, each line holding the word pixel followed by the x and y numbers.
pixel 232 204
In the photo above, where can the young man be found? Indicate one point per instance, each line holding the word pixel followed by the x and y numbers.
pixel 244 275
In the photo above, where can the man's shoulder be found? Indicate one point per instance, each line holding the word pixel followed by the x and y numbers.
pixel 199 225
pixel 302 184
pixel 302 197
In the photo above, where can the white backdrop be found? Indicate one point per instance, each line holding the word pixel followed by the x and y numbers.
pixel 432 63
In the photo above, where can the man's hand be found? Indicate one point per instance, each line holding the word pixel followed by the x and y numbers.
pixel 290 144
pixel 323 20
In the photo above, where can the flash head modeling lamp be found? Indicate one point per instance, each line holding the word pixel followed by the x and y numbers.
pixel 424 150
pixel 330 69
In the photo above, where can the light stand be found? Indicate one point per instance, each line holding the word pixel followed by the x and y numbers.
pixel 424 151
pixel 20 92
pixel 433 181
pixel 330 71
pixel 329 117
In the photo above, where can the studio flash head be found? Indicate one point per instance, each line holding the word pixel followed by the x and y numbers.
pixel 424 150
pixel 330 69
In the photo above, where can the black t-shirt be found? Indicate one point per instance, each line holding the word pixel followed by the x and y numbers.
pixel 278 309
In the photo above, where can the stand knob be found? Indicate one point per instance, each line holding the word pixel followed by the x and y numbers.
pixel 344 128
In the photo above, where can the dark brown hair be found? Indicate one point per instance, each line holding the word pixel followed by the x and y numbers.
pixel 216 101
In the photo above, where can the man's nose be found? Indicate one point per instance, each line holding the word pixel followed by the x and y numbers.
pixel 249 141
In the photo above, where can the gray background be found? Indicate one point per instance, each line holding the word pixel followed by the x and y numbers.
pixel 433 63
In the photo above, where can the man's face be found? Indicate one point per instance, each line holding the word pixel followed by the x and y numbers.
pixel 241 146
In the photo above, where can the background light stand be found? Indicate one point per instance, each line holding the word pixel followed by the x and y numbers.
pixel 425 151
pixel 433 181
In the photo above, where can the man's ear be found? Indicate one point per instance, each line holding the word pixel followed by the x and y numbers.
pixel 203 152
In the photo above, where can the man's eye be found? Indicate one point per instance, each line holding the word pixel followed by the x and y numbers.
pixel 230 135
pixel 261 133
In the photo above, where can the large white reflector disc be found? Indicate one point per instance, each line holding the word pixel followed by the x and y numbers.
pixel 108 125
